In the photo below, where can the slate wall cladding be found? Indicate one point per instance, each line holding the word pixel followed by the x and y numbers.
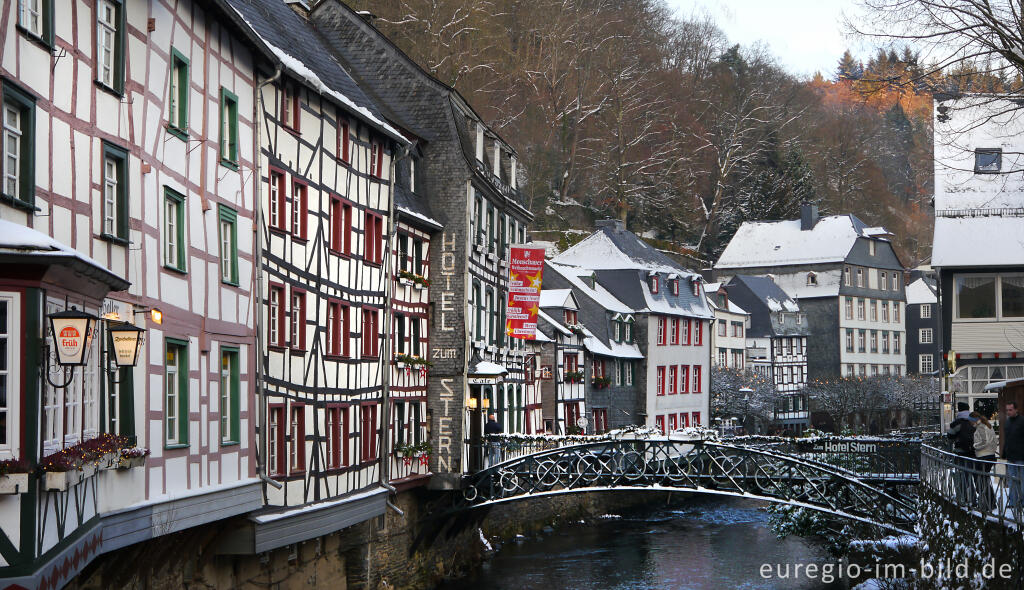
pixel 823 317
pixel 914 347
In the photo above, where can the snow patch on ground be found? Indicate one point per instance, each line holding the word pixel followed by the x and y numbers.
pixel 484 541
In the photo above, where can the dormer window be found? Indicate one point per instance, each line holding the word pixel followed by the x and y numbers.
pixel 696 288
pixel 988 160
pixel 412 175
pixel 871 247
pixel 617 330
pixel 812 279
pixel 479 142
pixel 496 167
pixel 654 284
pixel 570 317
pixel 675 286
pixel 627 330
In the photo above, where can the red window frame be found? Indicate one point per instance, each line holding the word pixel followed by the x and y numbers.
pixel 598 366
pixel 672 424
pixel 684 421
pixel 659 423
pixel 675 286
pixel 684 379
pixel 337 344
pixel 370 328
pixel 685 327
pixel 572 362
pixel 341 226
pixel 278 410
pixel 675 331
pixel 571 317
pixel 672 379
pixel 282 313
pixel 373 235
pixel 277 176
pixel 696 418
pixel 337 452
pixel 661 381
pixel 297 426
pixel 698 333
pixel 300 296
pixel 300 201
pixel 368 432
pixel 654 285
pixel 344 142
pixel 697 387
pixel 600 420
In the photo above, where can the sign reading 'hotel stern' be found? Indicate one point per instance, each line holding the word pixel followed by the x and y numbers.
pixel 525 269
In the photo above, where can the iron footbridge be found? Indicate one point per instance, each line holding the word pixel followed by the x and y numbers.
pixel 758 472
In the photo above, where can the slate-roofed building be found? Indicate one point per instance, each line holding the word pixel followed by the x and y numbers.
pixel 776 343
pixel 729 332
pixel 613 396
pixel 923 350
pixel 564 394
pixel 845 276
pixel 469 176
pixel 978 249
pixel 672 319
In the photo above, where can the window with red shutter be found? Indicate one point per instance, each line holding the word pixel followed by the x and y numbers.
pixel 684 379
pixel 661 381
pixel 672 380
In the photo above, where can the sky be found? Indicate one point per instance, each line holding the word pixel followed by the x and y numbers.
pixel 804 35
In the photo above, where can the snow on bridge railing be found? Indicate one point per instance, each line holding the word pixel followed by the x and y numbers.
pixel 990 489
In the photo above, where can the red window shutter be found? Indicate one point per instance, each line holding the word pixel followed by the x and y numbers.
pixel 659 422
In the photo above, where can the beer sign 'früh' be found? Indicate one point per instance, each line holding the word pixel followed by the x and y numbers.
pixel 525 271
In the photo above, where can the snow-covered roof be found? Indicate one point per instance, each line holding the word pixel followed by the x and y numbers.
pixel 619 249
pixel 575 275
pixel 614 349
pixel 557 325
pixel 561 298
pixel 487 368
pixel 711 290
pixel 23 241
pixel 774 243
pixel 978 241
pixel 826 283
pixel 920 292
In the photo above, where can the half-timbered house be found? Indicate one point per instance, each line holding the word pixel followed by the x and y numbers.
pixel 469 175
pixel 128 177
pixel 558 319
pixel 326 167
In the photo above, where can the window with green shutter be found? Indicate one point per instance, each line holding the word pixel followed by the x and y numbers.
pixel 174 230
pixel 229 396
pixel 177 99
pixel 176 393
pixel 228 129
pixel 228 245
pixel 18 184
pixel 115 193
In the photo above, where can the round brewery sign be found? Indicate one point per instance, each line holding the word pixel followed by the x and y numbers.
pixel 70 341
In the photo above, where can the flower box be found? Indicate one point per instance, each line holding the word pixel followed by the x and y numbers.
pixel 61 480
pixel 14 483
pixel 126 463
pixel 407 282
pixel 88 470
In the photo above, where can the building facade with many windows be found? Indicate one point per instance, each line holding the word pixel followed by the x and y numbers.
pixel 127 194
pixel 923 350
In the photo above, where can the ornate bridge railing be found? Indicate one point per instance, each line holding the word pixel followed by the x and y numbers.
pixel 994 491
pixel 873 459
pixel 700 466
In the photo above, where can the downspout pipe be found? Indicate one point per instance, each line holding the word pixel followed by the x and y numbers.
pixel 385 359
pixel 261 463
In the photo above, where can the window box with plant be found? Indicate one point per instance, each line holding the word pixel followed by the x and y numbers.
pixel 411 451
pixel 406 277
pixel 573 376
pixel 601 382
pixel 409 360
pixel 132 457
pixel 68 466
pixel 14 476
pixel 577 329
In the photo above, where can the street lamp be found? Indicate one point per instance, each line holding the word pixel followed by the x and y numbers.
pixel 71 331
pixel 125 339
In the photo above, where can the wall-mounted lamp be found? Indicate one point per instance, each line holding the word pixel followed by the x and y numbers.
pixel 487 403
pixel 125 339
pixel 472 403
pixel 71 331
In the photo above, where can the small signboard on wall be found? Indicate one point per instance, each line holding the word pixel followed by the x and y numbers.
pixel 545 372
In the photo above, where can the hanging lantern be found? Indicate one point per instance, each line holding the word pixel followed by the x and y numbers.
pixel 71 331
pixel 125 339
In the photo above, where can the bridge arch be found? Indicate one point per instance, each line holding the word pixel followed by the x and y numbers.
pixel 694 466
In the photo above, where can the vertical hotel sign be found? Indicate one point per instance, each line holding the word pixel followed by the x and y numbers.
pixel 525 269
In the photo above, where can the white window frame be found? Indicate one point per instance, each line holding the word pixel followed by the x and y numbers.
pixel 12 125
pixel 10 449
pixel 926 367
pixel 106 42
pixel 925 336
pixel 926 311
pixel 110 196
pixel 225 396
pixel 30 16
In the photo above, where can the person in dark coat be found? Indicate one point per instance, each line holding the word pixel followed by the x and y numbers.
pixel 491 429
pixel 961 432
pixel 1013 452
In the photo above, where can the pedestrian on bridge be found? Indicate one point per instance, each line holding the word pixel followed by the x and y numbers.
pixel 961 431
pixel 1013 452
pixel 986 444
pixel 492 429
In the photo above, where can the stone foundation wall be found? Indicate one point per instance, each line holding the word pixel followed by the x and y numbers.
pixel 413 551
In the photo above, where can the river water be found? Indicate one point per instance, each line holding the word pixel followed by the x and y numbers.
pixel 705 543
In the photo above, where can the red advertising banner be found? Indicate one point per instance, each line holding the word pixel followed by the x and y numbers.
pixel 525 270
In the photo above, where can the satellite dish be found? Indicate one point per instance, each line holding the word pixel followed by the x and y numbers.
pixel 582 422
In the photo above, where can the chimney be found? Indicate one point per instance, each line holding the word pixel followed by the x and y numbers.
pixel 612 224
pixel 808 216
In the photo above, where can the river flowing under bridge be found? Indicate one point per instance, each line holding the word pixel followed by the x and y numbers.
pixel 864 479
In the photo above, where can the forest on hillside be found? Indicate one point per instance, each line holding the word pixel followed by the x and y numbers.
pixel 620 109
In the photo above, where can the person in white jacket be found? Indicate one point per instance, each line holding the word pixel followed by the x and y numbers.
pixel 986 445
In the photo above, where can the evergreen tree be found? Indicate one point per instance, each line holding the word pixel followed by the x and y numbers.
pixel 849 68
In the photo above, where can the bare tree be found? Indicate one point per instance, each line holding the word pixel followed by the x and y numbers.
pixel 745 394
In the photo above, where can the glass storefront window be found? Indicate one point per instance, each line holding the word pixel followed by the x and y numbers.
pixel 976 297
